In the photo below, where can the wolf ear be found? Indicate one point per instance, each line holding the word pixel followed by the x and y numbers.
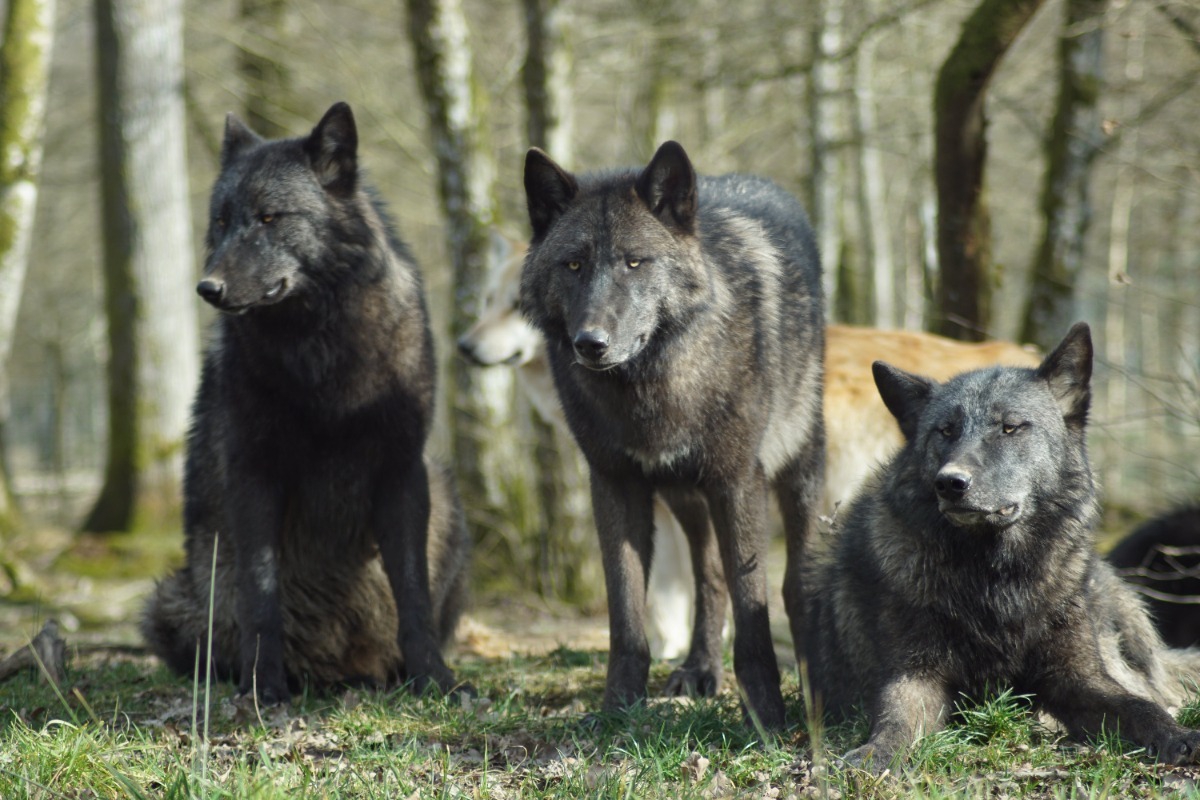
pixel 904 394
pixel 1068 371
pixel 332 149
pixel 668 187
pixel 549 189
pixel 237 138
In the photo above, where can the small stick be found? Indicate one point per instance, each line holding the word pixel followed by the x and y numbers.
pixel 46 653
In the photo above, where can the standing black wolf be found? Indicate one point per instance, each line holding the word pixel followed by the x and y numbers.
pixel 683 323
pixel 341 552
pixel 967 563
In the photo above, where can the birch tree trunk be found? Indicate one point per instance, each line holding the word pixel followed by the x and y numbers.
pixel 149 269
pixel 960 140
pixel 24 79
pixel 825 129
pixel 483 439
pixel 1075 139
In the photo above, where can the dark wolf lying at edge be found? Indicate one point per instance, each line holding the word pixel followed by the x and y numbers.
pixel 683 324
pixel 341 551
pixel 968 563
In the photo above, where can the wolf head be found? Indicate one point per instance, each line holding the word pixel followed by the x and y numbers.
pixel 501 335
pixel 270 209
pixel 992 445
pixel 613 256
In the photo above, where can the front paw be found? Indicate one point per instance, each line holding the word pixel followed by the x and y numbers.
pixel 269 693
pixel 867 758
pixel 693 682
pixel 1181 746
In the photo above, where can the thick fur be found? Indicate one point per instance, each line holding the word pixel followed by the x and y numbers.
pixel 1161 557
pixel 341 551
pixel 683 325
pixel 967 564
pixel 860 432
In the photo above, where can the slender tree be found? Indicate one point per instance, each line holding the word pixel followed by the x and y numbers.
pixel 1075 140
pixel 24 79
pixel 960 141
pixel 483 440
pixel 148 265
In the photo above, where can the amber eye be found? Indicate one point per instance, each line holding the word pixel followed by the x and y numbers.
pixel 266 219
pixel 633 263
pixel 946 431
pixel 573 266
pixel 1009 429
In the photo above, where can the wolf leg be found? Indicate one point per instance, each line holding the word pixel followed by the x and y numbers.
pixel 402 531
pixel 907 708
pixel 255 520
pixel 1087 703
pixel 739 512
pixel 798 490
pixel 700 673
pixel 625 524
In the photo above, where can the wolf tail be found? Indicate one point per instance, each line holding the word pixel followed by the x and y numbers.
pixel 174 628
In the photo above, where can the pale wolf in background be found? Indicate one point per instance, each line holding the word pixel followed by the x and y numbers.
pixel 967 564
pixel 684 329
pixel 342 552
pixel 860 432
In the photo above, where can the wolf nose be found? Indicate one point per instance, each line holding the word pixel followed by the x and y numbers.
pixel 210 290
pixel 466 349
pixel 591 344
pixel 952 484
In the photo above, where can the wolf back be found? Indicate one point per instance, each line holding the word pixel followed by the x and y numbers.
pixel 968 564
pixel 341 551
pixel 684 328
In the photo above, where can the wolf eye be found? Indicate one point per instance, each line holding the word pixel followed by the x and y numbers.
pixel 573 266
pixel 633 263
pixel 946 431
pixel 266 219
pixel 1009 428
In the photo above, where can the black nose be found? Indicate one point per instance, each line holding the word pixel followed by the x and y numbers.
pixel 591 344
pixel 466 349
pixel 210 290
pixel 952 483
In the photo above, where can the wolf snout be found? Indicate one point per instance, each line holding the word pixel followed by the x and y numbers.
pixel 591 345
pixel 952 483
pixel 211 290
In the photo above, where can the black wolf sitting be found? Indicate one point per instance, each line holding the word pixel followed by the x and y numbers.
pixel 341 552
pixel 968 563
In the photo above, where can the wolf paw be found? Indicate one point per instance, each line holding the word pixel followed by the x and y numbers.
pixel 269 694
pixel 867 758
pixel 693 682
pixel 1182 747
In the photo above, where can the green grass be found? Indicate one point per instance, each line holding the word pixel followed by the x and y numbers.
pixel 127 728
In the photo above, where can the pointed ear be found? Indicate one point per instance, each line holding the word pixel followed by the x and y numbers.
pixel 668 187
pixel 332 149
pixel 904 394
pixel 237 138
pixel 1068 371
pixel 549 189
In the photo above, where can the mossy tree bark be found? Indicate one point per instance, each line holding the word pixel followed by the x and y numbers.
pixel 149 269
pixel 960 141
pixel 1075 140
pixel 24 80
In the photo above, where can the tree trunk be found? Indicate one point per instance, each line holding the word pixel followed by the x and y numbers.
pixel 482 436
pixel 148 264
pixel 546 77
pixel 960 139
pixel 266 79
pixel 1075 139
pixel 24 79
pixel 825 135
